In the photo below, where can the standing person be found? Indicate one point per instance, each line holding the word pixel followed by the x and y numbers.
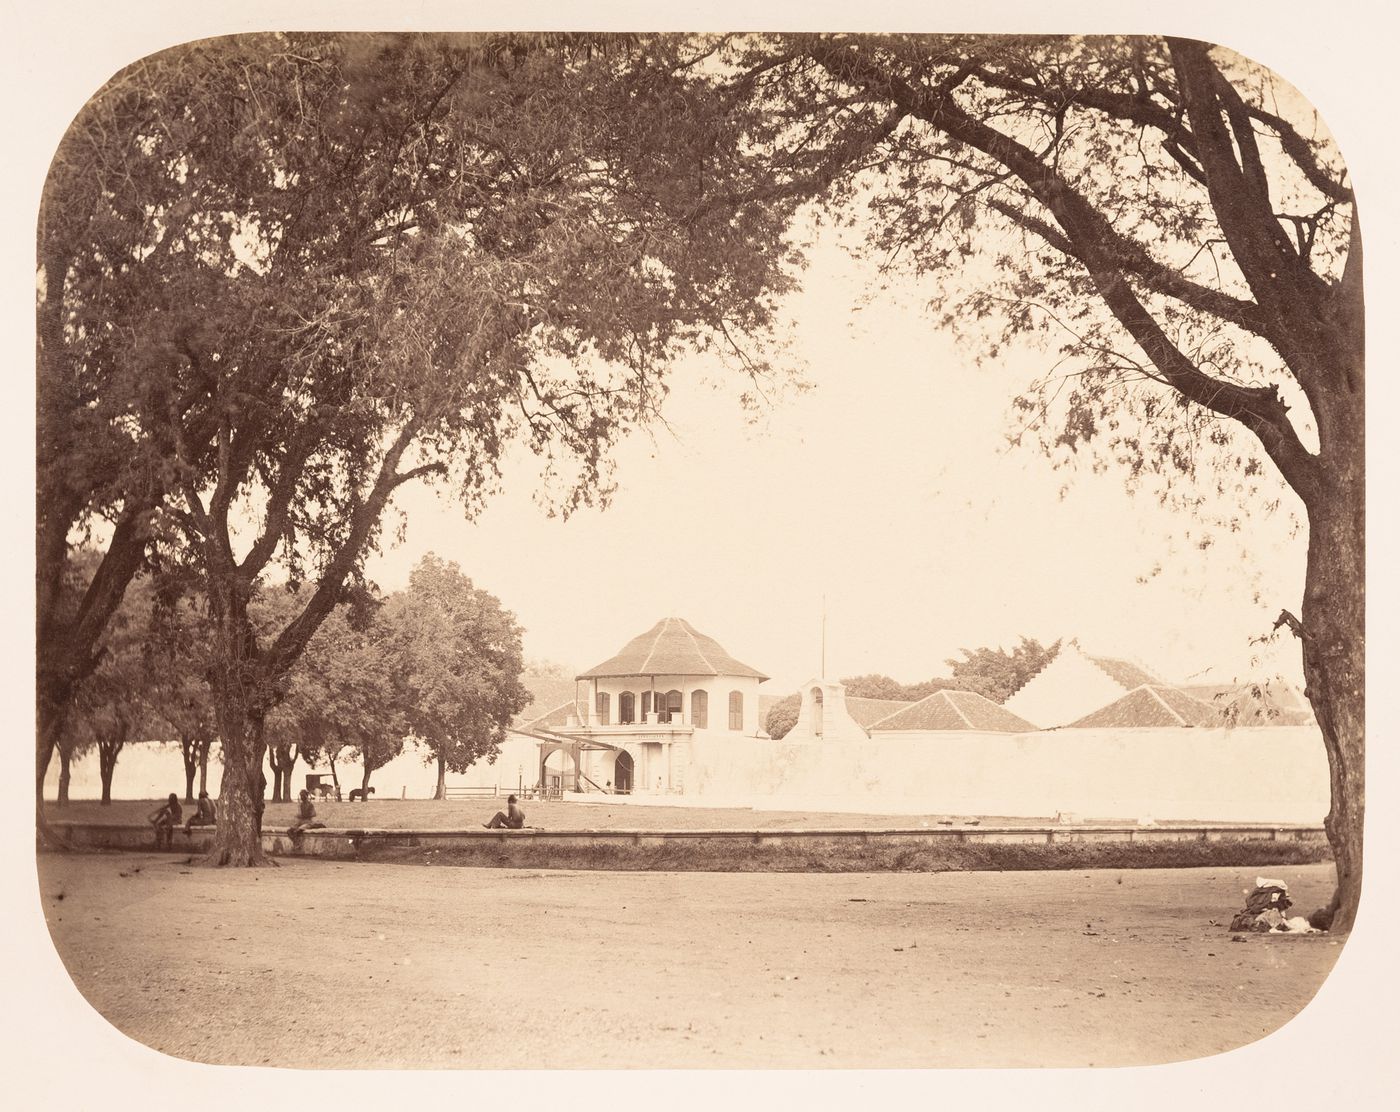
pixel 512 818
pixel 164 819
pixel 306 817
pixel 204 816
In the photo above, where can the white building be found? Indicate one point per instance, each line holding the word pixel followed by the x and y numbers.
pixel 646 712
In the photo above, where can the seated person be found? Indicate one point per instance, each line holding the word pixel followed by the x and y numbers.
pixel 204 816
pixel 306 817
pixel 512 818
pixel 164 818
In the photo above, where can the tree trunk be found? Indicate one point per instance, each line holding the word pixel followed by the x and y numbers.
pixel 237 834
pixel 441 792
pixel 283 759
pixel 364 783
pixel 190 758
pixel 53 713
pixel 1334 664
pixel 65 760
pixel 107 765
pixel 242 696
pixel 204 747
pixel 335 777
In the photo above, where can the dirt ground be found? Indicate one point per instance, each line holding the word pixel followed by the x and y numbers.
pixel 317 964
pixel 461 814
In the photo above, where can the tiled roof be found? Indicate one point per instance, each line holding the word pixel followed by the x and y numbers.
pixel 1149 705
pixel 867 712
pixel 556 719
pixel 547 693
pixel 1124 672
pixel 1253 704
pixel 954 710
pixel 672 647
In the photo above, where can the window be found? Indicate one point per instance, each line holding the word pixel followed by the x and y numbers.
pixel 626 708
pixel 672 704
pixel 603 708
pixel 700 709
pixel 646 704
pixel 736 710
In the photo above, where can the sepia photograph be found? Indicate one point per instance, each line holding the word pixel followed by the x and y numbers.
pixel 615 549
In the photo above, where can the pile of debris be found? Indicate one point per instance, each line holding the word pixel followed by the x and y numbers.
pixel 1264 909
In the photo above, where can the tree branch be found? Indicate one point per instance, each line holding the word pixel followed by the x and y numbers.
pixel 1095 244
pixel 1132 257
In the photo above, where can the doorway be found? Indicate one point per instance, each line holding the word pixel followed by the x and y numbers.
pixel 622 772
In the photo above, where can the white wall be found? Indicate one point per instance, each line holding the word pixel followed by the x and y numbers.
pixel 1262 774
pixel 1265 774
pixel 152 770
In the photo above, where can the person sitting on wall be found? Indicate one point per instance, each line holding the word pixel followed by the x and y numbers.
pixel 512 818
pixel 164 818
pixel 204 815
pixel 306 817
pixel 360 795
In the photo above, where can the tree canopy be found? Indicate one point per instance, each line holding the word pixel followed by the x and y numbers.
pixel 1179 224
pixel 359 261
pixel 456 659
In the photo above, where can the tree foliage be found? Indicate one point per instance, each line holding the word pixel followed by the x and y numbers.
pixel 782 716
pixel 175 678
pixel 358 261
pixel 341 699
pixel 997 674
pixel 456 659
pixel 1175 220
pixel 111 708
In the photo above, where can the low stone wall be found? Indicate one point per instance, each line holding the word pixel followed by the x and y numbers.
pixel 355 844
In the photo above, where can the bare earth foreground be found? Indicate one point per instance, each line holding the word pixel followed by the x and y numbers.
pixel 317 964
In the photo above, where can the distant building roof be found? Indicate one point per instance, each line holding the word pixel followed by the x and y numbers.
pixel 867 712
pixel 555 719
pixel 1253 704
pixel 672 647
pixel 1124 672
pixel 954 710
pixel 1149 705
pixel 547 693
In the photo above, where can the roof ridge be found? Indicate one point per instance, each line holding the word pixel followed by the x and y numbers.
pixel 957 709
pixel 660 628
pixel 690 632
pixel 1152 689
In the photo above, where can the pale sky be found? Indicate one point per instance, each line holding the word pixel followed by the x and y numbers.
pixel 966 577
pixel 889 488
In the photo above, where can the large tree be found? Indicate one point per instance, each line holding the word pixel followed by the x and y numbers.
pixel 1178 216
pixel 457 659
pixel 365 261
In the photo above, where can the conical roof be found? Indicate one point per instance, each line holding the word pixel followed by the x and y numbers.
pixel 672 647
